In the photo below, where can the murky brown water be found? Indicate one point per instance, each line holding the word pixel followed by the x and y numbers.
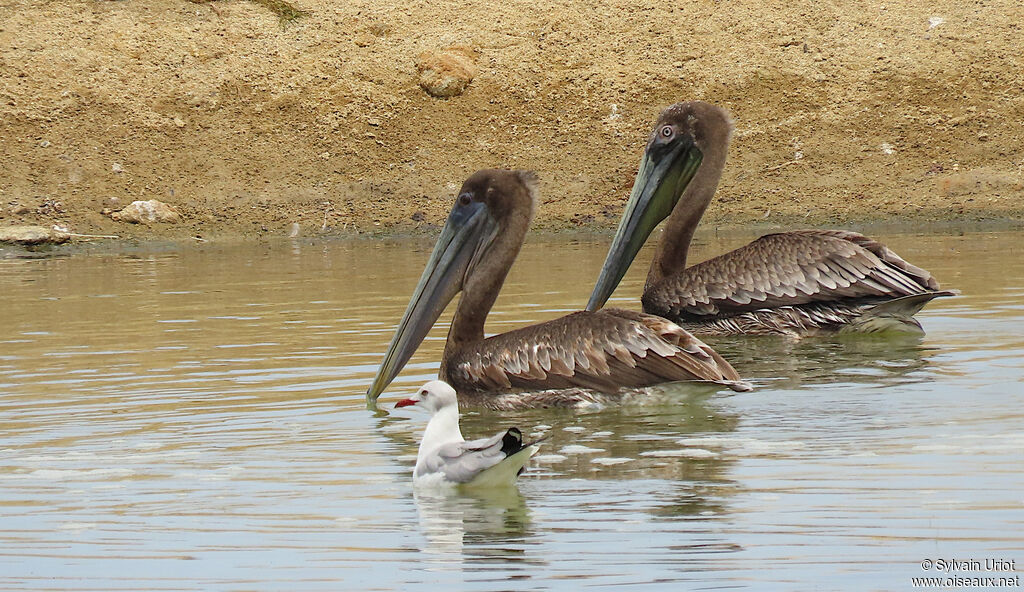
pixel 194 420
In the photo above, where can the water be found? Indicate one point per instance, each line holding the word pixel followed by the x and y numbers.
pixel 193 419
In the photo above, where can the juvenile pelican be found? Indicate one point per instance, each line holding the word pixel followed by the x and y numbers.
pixel 792 283
pixel 599 351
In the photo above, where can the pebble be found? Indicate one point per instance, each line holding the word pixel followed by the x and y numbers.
pixel 146 212
pixel 446 73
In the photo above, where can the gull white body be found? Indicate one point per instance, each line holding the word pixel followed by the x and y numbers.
pixel 446 458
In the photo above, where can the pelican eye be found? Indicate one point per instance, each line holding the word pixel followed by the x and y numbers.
pixel 667 132
pixel 464 199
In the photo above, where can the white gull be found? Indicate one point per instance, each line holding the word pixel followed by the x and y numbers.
pixel 445 457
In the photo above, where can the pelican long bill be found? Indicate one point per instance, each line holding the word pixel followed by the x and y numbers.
pixel 441 280
pixel 665 170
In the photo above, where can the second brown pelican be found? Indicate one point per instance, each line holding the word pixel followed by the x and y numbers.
pixel 791 283
pixel 600 351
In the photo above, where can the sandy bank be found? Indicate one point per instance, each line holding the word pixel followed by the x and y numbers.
pixel 848 113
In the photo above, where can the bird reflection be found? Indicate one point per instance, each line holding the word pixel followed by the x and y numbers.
pixel 479 525
pixel 884 360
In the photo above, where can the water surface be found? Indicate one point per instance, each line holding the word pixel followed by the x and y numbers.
pixel 194 419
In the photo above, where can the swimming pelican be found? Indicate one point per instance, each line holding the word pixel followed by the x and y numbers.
pixel 599 351
pixel 795 283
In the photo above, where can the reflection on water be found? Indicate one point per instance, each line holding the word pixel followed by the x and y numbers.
pixel 788 363
pixel 488 524
pixel 194 419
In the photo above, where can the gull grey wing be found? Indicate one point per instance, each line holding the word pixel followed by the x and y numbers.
pixel 604 351
pixel 787 269
pixel 460 462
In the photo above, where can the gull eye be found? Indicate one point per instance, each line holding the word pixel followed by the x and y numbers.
pixel 424 392
pixel 464 199
pixel 666 131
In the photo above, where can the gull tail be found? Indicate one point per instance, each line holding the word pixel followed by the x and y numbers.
pixel 505 473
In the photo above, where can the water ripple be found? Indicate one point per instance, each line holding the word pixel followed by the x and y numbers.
pixel 195 420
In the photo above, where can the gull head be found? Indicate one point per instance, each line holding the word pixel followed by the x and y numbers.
pixel 433 396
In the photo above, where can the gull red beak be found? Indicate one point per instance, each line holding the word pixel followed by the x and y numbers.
pixel 405 403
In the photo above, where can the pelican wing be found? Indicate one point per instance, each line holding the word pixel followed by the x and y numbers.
pixel 461 462
pixel 787 269
pixel 603 351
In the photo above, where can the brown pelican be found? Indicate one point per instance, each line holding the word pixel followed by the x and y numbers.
pixel 598 351
pixel 792 283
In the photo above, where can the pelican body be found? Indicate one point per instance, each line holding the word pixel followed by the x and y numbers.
pixel 594 351
pixel 797 283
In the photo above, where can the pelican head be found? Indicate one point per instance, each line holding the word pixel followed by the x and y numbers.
pixel 488 202
pixel 682 136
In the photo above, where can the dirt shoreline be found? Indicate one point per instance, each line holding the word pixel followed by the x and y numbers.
pixel 852 114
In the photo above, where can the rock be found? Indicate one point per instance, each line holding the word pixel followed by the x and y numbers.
pixel 32 235
pixel 146 212
pixel 446 73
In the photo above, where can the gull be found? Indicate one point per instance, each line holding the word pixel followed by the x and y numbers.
pixel 445 457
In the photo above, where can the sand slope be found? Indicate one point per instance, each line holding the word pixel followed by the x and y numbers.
pixel 861 111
